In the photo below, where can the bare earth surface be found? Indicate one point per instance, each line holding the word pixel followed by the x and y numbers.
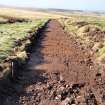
pixel 59 72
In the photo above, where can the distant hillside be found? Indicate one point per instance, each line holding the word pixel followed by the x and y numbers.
pixel 54 10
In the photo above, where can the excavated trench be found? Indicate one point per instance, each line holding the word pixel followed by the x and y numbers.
pixel 59 72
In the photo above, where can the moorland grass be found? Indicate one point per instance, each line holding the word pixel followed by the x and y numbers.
pixel 9 33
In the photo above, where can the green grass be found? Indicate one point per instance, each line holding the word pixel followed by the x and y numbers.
pixel 100 23
pixel 101 51
pixel 71 26
pixel 9 33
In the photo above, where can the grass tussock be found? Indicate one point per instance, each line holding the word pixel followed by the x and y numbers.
pixel 10 33
pixel 89 30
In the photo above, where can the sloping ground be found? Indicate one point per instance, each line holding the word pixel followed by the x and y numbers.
pixel 59 72
pixel 28 14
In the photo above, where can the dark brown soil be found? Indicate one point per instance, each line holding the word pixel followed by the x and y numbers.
pixel 59 72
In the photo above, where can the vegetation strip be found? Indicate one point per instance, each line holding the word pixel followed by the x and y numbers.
pixel 18 46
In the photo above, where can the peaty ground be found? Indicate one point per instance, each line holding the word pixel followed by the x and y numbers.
pixel 59 72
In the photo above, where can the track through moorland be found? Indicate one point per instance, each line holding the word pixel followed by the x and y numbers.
pixel 59 72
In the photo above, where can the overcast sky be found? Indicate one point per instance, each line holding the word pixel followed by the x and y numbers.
pixel 62 4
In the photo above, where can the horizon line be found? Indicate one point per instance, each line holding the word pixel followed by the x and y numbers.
pixel 28 7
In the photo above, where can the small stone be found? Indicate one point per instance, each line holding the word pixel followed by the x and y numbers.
pixel 64 94
pixel 53 94
pixel 58 97
pixel 39 83
pixel 66 101
pixel 62 88
pixel 78 97
pixel 61 79
pixel 67 86
pixel 49 86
